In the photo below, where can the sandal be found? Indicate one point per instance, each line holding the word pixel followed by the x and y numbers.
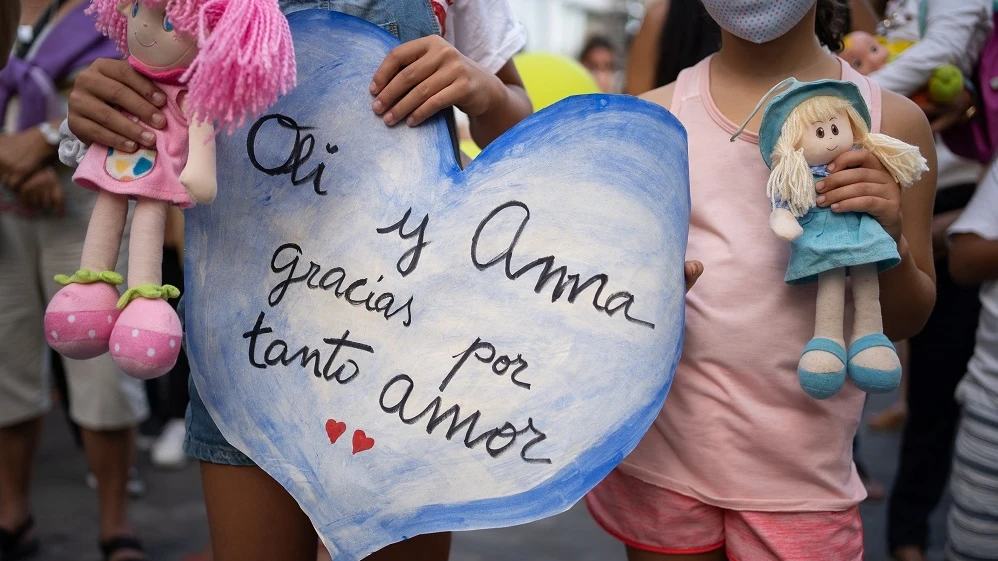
pixel 13 544
pixel 122 543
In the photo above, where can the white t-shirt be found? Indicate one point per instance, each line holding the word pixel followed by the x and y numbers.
pixel 486 31
pixel 955 32
pixel 981 218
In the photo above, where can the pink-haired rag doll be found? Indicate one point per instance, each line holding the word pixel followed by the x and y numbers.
pixel 219 62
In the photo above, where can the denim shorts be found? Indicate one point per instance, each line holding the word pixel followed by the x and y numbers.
pixel 203 440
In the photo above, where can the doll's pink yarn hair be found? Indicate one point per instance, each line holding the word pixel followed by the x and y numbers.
pixel 245 54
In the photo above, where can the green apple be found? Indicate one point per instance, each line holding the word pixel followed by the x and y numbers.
pixel 946 83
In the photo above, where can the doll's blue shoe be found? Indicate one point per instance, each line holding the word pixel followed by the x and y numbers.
pixel 823 385
pixel 873 380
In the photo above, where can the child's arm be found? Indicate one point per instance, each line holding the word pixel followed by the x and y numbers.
pixel 199 175
pixel 422 77
pixel 470 68
pixel 973 259
pixel 864 18
pixel 642 63
pixel 973 256
pixel 949 33
pixel 908 291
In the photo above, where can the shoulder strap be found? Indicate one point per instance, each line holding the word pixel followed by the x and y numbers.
pixel 872 93
pixel 688 84
pixel 876 102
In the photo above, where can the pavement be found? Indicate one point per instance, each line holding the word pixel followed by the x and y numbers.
pixel 170 517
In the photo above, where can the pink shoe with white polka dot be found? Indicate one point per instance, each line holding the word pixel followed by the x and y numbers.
pixel 146 339
pixel 80 318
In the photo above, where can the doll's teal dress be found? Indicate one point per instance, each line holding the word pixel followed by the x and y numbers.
pixel 833 240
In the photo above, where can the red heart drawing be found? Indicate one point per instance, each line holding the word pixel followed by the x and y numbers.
pixel 361 442
pixel 335 430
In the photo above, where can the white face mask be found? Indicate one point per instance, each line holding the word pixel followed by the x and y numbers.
pixel 759 21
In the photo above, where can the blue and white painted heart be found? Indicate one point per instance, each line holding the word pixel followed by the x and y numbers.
pixel 495 340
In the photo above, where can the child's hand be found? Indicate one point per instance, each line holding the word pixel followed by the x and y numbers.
pixel 42 192
pixel 692 271
pixel 785 225
pixel 421 77
pixel 99 95
pixel 943 116
pixel 860 183
pixel 21 155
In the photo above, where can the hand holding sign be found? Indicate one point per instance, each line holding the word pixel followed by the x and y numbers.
pixel 410 348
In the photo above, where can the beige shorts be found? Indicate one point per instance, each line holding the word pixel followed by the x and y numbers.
pixel 32 252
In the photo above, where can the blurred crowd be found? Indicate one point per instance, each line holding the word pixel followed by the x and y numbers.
pixel 44 218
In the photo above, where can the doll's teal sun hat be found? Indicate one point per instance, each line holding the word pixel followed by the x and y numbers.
pixel 782 104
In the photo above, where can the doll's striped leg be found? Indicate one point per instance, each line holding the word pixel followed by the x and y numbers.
pixel 80 317
pixel 822 367
pixel 146 339
pixel 874 365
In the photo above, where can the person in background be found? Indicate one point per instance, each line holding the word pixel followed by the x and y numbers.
pixel 42 234
pixel 674 35
pixel 951 33
pixel 973 260
pixel 457 53
pixel 599 56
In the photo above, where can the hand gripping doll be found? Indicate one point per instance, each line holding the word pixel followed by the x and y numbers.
pixel 804 128
pixel 219 62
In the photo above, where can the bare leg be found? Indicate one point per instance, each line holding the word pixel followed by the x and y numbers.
pixel 17 454
pixel 252 518
pixel 829 322
pixel 431 547
pixel 868 319
pixel 145 250
pixel 110 454
pixel 639 555
pixel 107 224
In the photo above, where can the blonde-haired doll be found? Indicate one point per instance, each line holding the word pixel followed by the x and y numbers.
pixel 804 128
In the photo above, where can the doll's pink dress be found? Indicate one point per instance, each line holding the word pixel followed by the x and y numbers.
pixel 149 173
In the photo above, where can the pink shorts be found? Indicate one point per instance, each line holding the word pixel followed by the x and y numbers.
pixel 651 518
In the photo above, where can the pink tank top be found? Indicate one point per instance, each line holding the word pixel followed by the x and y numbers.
pixel 737 430
pixel 149 173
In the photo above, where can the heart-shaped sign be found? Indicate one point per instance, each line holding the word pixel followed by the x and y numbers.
pixel 493 341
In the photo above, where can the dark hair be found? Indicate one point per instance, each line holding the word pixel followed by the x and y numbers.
pixel 594 43
pixel 688 36
pixel 831 23
pixel 691 35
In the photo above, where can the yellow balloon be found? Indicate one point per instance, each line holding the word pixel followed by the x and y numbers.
pixel 548 79
pixel 470 148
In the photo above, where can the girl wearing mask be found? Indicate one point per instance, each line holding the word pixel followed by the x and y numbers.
pixel 742 464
